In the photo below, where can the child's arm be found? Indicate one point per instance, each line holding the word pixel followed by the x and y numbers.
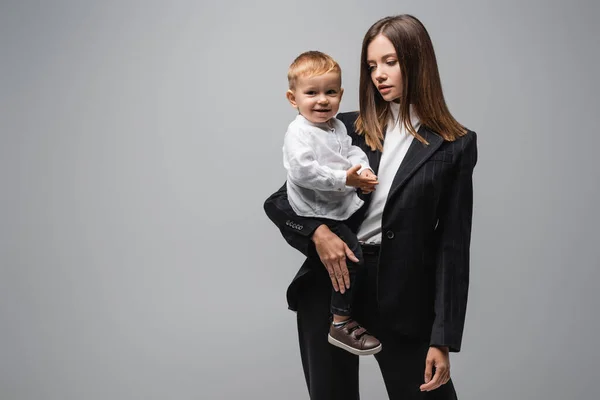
pixel 357 156
pixel 364 178
pixel 303 168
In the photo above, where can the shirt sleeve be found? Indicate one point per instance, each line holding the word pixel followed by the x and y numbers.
pixel 303 168
pixel 357 156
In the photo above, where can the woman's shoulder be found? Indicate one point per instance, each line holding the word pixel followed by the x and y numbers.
pixel 348 119
pixel 468 140
pixel 463 148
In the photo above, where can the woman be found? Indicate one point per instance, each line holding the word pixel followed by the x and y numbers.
pixel 415 228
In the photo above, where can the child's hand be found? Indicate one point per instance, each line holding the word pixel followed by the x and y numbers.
pixel 366 181
pixel 368 174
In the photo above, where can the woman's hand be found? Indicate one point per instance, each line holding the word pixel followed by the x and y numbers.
pixel 333 252
pixel 438 358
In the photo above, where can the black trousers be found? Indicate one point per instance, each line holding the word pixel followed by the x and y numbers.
pixel 332 373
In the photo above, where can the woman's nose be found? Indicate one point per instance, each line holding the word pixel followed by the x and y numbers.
pixel 379 75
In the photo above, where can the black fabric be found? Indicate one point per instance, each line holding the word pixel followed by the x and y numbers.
pixel 422 275
pixel 332 373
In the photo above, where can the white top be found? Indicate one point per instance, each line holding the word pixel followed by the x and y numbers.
pixel 316 157
pixel 395 146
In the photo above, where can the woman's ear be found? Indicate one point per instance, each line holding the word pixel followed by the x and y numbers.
pixel 291 98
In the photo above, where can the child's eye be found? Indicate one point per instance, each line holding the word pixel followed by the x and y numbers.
pixel 311 93
pixel 332 91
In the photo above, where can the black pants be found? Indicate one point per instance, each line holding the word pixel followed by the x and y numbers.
pixel 341 304
pixel 332 373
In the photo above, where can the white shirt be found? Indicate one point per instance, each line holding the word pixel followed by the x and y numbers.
pixel 395 146
pixel 316 157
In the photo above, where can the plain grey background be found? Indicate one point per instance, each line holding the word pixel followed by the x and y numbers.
pixel 140 139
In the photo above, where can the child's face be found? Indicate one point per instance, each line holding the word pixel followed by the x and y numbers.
pixel 317 98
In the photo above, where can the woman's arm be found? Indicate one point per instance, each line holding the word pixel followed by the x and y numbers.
pixel 297 231
pixel 454 237
pixel 311 237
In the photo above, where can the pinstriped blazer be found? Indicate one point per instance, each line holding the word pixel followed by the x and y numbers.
pixel 423 270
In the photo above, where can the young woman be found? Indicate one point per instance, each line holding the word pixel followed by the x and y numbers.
pixel 415 228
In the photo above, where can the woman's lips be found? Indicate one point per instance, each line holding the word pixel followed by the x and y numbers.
pixel 384 89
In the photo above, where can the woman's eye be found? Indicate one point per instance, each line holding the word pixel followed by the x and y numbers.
pixel 391 63
pixel 371 67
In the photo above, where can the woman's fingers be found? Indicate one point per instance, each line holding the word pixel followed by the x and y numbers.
pixel 433 384
pixel 349 254
pixel 436 358
pixel 440 377
pixel 335 263
pixel 428 371
pixel 339 273
pixel 345 283
pixel 332 276
pixel 333 251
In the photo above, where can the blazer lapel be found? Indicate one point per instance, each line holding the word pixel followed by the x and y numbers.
pixel 417 154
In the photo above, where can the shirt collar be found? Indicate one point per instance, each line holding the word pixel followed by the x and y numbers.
pixel 328 126
pixel 395 109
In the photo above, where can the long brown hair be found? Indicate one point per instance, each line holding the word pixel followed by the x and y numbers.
pixel 421 85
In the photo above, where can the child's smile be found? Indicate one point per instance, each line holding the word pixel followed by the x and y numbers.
pixel 317 98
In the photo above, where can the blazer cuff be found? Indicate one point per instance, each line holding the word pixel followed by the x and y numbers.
pixel 306 228
pixel 438 340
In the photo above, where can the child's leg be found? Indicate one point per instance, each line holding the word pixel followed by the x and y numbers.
pixel 344 332
pixel 341 303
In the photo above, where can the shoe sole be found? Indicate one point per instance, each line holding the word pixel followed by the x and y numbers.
pixel 352 350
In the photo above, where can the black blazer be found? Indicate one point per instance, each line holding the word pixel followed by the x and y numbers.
pixel 423 272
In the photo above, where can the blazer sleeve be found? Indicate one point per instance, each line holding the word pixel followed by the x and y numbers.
pixel 297 231
pixel 454 237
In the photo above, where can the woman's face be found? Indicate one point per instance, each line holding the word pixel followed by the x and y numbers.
pixel 384 68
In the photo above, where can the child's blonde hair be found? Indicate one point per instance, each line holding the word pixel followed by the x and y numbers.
pixel 311 63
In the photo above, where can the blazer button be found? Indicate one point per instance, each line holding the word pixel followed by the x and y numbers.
pixel 389 234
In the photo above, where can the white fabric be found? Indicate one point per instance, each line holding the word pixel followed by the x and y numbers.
pixel 316 157
pixel 395 146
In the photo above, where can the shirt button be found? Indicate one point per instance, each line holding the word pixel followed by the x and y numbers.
pixel 389 234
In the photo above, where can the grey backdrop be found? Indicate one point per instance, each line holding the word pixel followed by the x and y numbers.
pixel 140 139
